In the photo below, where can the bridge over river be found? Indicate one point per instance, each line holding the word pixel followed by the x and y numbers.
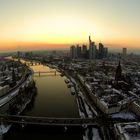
pixel 39 73
pixel 48 121
pixel 52 121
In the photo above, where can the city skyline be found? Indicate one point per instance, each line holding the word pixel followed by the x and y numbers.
pixel 35 25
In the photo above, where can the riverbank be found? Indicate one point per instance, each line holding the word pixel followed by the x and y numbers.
pixel 17 98
pixel 19 104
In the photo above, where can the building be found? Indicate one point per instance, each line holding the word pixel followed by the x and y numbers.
pixel 135 107
pixel 73 52
pixel 84 51
pixel 127 131
pixel 92 49
pixel 91 53
pixel 124 52
pixel 101 51
pixel 105 52
pixel 78 51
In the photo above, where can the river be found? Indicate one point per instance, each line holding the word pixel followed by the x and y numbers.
pixel 53 99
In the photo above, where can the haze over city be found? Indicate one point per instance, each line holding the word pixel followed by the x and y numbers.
pixel 69 70
pixel 43 24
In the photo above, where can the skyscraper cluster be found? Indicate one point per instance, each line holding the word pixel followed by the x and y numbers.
pixel 88 52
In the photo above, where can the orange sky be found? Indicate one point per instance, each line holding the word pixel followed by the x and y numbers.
pixel 25 46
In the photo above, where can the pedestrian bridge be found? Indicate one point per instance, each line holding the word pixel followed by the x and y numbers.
pixel 48 121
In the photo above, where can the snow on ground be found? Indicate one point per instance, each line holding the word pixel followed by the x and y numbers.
pixel 85 137
pixel 123 115
pixel 4 128
pixel 87 107
pixel 92 134
pixel 82 115
pixel 4 100
pixel 90 114
pixel 7 98
pixel 95 133
pixel 73 81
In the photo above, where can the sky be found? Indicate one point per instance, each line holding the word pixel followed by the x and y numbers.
pixel 42 24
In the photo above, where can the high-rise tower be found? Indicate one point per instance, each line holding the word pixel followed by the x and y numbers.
pixel 101 50
pixel 92 49
pixel 73 52
pixel 124 52
pixel 89 41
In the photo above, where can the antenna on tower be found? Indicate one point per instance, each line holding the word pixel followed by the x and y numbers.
pixel 89 40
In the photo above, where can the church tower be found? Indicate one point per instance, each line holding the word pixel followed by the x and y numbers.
pixel 118 76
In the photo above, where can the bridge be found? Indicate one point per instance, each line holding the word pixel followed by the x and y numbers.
pixel 48 121
pixel 33 62
pixel 46 72
pixel 64 122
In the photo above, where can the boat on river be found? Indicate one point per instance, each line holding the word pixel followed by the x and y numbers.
pixel 70 84
pixel 61 74
pixel 72 90
pixel 67 81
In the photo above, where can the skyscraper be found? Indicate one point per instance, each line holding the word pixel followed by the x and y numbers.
pixel 78 51
pixel 73 52
pixel 124 52
pixel 92 49
pixel 105 52
pixel 89 41
pixel 91 53
pixel 84 51
pixel 101 50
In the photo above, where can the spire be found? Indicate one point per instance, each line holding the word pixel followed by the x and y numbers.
pixel 89 40
pixel 118 75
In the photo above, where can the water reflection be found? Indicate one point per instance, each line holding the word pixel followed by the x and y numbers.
pixel 53 99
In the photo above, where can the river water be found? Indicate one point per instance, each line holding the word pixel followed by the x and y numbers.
pixel 53 99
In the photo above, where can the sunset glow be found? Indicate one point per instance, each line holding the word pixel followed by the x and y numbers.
pixel 49 23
